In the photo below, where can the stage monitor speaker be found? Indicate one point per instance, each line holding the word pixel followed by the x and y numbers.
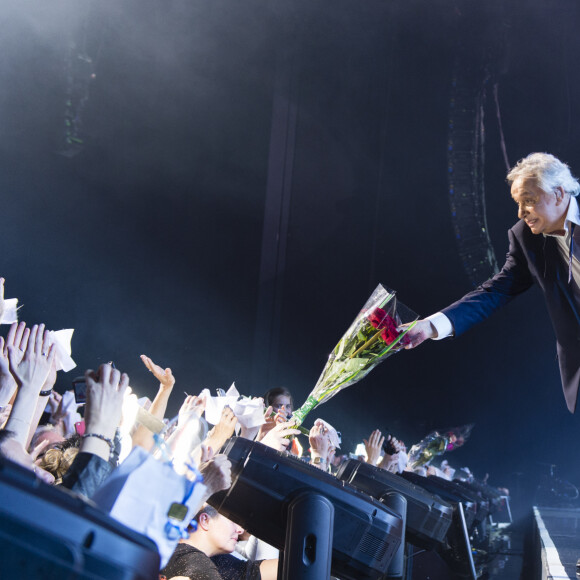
pixel 50 533
pixel 265 482
pixel 490 494
pixel 432 523
pixel 449 491
pixel 428 516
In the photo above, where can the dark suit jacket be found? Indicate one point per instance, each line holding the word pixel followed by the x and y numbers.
pixel 532 258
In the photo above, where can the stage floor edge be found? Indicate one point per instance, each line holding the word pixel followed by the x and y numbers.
pixel 557 533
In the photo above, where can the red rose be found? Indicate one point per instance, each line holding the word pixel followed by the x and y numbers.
pixel 390 332
pixel 389 335
pixel 391 324
pixel 377 318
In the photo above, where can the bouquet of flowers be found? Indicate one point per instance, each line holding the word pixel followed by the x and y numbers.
pixel 371 338
pixel 436 444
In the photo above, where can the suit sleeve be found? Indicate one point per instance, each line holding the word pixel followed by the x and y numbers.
pixel 513 279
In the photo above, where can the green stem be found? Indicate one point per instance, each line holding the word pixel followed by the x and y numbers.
pixel 368 343
pixel 301 413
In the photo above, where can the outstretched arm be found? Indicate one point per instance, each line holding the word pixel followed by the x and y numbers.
pixel 105 391
pixel 513 279
pixel 30 363
pixel 222 431
pixel 166 383
pixel 142 435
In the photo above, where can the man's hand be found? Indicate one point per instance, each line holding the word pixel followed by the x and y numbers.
pixel 422 330
pixel 374 446
pixel 165 377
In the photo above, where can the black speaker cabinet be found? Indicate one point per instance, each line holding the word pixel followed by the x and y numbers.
pixel 50 534
pixel 366 534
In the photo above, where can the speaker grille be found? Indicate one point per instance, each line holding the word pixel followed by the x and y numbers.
pixel 374 547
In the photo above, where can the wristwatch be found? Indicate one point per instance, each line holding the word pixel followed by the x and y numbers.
pixel 318 460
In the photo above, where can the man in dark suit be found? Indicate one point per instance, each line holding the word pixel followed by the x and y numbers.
pixel 542 250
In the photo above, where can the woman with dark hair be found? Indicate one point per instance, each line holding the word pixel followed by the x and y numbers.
pixel 280 399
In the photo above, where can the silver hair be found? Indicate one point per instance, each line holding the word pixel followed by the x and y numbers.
pixel 548 171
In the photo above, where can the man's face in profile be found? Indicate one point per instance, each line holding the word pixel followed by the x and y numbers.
pixel 544 212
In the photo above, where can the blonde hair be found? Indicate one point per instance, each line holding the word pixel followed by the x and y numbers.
pixel 58 462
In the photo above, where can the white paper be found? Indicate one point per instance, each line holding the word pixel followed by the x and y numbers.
pixel 403 461
pixel 332 434
pixel 62 339
pixel 249 412
pixel 10 314
pixel 215 405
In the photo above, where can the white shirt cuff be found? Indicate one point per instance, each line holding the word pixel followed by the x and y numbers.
pixel 442 325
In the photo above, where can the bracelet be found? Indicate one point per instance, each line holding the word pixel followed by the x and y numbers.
pixel 45 393
pixel 318 460
pixel 108 441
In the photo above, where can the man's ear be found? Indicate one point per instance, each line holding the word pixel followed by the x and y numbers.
pixel 203 521
pixel 560 194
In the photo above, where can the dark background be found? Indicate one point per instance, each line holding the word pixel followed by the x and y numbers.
pixel 150 239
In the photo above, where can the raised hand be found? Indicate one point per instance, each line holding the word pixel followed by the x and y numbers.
pixel 277 437
pixel 319 440
pixel 54 406
pixel 32 370
pixel 30 360
pixel 217 474
pixel 164 376
pixel 271 421
pixel 105 392
pixel 17 336
pixel 192 406
pixel 223 430
pixel 390 460
pixel 373 447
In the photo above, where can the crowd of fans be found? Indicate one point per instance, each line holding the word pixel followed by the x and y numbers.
pixel 44 431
